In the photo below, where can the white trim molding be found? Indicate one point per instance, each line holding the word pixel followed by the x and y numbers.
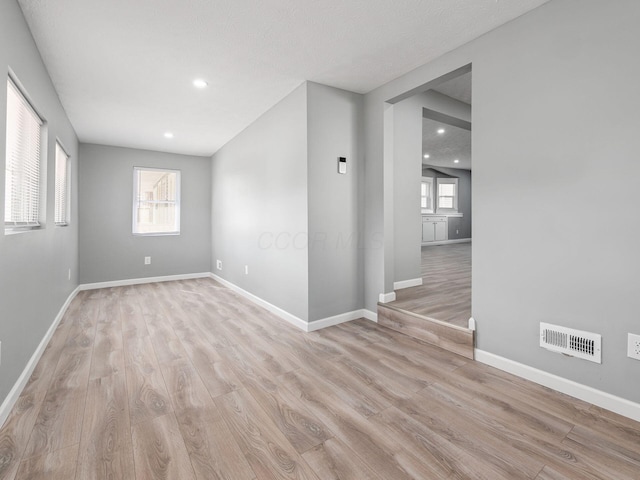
pixel 602 399
pixel 337 319
pixel 387 297
pixel 15 392
pixel 292 319
pixel 369 315
pixel 446 242
pixel 412 282
pixel 139 281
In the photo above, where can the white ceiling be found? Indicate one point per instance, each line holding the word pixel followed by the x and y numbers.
pixel 123 68
pixel 455 143
pixel 443 149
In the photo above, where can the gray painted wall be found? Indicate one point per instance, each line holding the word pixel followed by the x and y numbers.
pixel 335 220
pixel 407 171
pixel 554 96
pixel 259 207
pixel 108 249
pixel 34 265
pixel 460 224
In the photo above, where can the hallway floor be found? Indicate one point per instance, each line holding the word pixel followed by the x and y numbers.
pixel 445 293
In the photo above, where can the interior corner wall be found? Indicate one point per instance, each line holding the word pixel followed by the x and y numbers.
pixel 335 201
pixel 554 98
pixel 108 249
pixel 34 265
pixel 259 207
pixel 407 172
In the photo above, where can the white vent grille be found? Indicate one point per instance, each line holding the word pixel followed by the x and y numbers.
pixel 571 342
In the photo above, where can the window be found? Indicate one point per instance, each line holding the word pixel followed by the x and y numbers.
pixel 426 195
pixel 23 162
pixel 156 201
pixel 61 213
pixel 447 195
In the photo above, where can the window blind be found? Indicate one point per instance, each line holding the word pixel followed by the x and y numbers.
pixel 61 187
pixel 22 171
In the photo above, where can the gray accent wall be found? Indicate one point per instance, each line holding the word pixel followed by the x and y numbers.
pixel 460 224
pixel 555 97
pixel 108 249
pixel 34 265
pixel 259 207
pixel 407 171
pixel 335 201
pixel 280 208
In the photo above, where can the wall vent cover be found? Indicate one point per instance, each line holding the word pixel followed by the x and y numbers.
pixel 574 343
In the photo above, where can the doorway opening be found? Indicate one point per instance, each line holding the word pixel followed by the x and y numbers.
pixel 432 172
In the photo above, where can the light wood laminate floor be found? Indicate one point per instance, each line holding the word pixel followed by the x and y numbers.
pixel 445 293
pixel 186 380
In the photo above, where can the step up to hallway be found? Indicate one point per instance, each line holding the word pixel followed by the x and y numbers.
pixel 449 337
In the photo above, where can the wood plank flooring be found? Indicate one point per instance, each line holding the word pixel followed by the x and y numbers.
pixel 445 335
pixel 445 293
pixel 187 380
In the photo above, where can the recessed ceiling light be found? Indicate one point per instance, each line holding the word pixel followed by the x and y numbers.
pixel 441 131
pixel 426 155
pixel 199 83
pixel 456 161
pixel 168 135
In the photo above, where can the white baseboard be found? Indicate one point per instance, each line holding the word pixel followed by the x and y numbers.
pixel 292 319
pixel 602 399
pixel 14 394
pixel 387 297
pixel 139 281
pixel 369 315
pixel 336 320
pixel 446 242
pixel 412 282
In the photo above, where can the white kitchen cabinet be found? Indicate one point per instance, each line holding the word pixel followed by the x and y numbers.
pixel 434 228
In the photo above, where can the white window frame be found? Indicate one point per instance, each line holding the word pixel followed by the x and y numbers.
pixel 456 193
pixel 429 198
pixel 62 175
pixel 137 201
pixel 24 166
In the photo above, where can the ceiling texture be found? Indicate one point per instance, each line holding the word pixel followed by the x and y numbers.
pixel 455 143
pixel 124 68
pixel 443 149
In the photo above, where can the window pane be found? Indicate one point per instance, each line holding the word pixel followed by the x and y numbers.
pixel 61 186
pixel 447 189
pixel 22 167
pixel 156 201
pixel 423 203
pixel 446 202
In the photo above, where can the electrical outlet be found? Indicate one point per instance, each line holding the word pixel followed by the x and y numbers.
pixel 69 275
pixel 0 353
pixel 147 260
pixel 219 264
pixel 633 347
pixel 246 269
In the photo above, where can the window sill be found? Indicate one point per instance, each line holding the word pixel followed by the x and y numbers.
pixel 156 234
pixel 454 215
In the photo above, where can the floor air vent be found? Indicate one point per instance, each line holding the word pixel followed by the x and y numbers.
pixel 571 342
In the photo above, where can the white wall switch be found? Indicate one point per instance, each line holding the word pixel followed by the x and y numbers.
pixel 633 347
pixel 147 260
